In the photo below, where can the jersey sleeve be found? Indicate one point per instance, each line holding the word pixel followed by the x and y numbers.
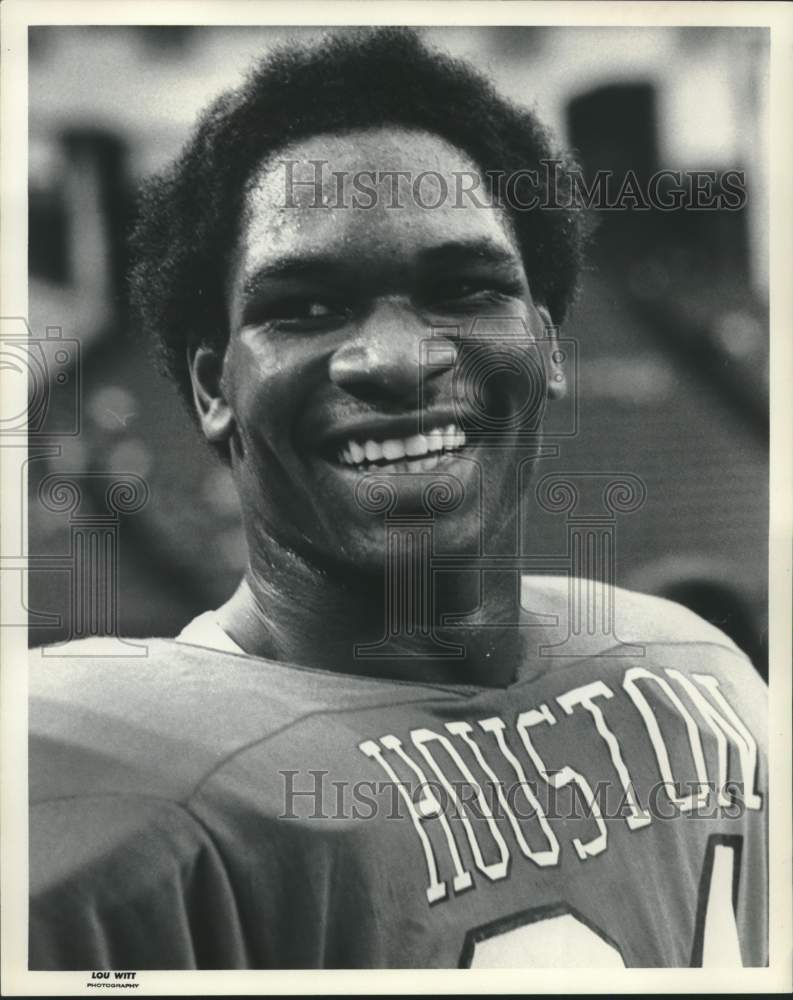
pixel 127 883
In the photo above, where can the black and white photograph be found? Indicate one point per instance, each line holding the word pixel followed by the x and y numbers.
pixel 395 498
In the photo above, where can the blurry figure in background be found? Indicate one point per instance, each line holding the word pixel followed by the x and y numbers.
pixel 180 816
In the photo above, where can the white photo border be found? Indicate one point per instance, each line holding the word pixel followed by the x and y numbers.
pixel 17 16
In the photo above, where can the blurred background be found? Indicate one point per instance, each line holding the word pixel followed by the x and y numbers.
pixel 672 323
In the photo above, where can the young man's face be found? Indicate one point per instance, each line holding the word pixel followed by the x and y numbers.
pixel 329 378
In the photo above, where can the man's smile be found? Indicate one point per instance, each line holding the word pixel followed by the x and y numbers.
pixel 417 453
pixel 418 441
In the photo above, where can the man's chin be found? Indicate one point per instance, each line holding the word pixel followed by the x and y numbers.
pixel 373 513
pixel 402 545
pixel 423 486
pixel 369 511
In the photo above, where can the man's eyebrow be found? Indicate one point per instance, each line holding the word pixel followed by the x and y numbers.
pixel 290 266
pixel 321 266
pixel 485 251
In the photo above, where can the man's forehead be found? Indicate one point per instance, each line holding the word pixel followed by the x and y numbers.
pixel 370 189
pixel 384 151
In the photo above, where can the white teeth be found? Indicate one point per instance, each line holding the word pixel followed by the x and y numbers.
pixel 416 445
pixel 431 444
pixel 435 440
pixel 393 449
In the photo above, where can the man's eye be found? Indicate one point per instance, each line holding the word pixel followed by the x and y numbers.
pixel 304 311
pixel 464 291
pixel 449 290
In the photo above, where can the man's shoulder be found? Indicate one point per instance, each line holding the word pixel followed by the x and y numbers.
pixel 92 662
pixel 646 640
pixel 156 717
pixel 146 716
pixel 610 615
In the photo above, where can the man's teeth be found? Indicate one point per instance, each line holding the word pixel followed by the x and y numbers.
pixel 450 438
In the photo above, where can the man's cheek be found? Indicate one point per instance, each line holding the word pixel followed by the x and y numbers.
pixel 500 388
pixel 262 390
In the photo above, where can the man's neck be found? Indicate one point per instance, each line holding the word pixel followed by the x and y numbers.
pixel 286 609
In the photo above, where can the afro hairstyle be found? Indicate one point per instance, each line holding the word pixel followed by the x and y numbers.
pixel 189 216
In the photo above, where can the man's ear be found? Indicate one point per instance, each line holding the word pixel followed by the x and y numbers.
pixel 206 375
pixel 553 356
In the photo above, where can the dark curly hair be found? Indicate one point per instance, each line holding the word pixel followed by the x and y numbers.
pixel 353 79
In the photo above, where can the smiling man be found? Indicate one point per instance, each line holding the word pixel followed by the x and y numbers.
pixel 347 291
pixel 323 382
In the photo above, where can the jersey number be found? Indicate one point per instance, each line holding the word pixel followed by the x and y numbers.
pixel 558 937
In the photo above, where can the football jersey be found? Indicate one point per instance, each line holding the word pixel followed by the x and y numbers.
pixel 198 808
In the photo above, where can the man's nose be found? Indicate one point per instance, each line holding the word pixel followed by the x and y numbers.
pixel 387 360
